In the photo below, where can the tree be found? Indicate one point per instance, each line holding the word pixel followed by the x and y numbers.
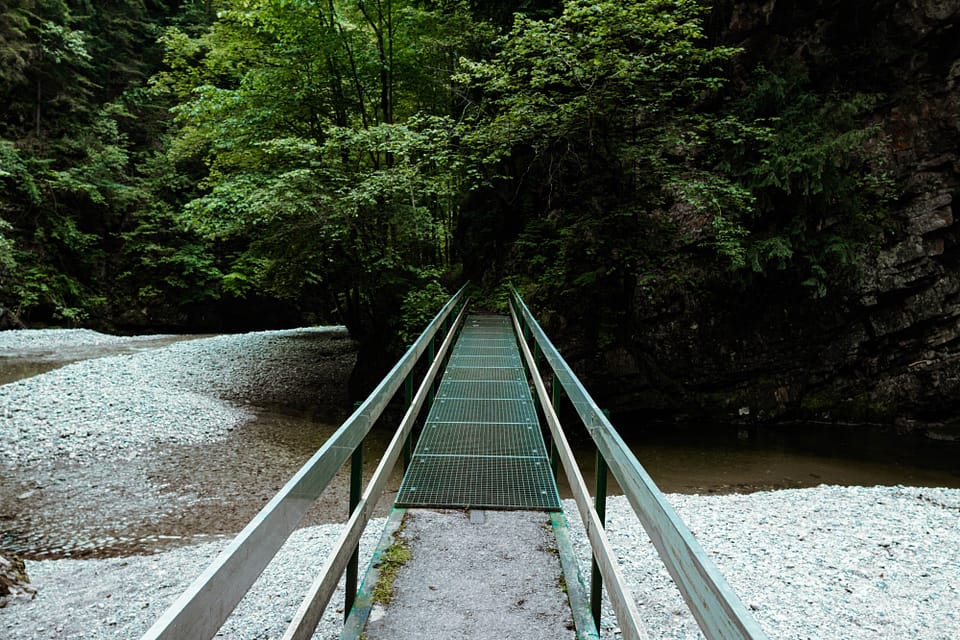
pixel 77 127
pixel 597 120
pixel 629 172
pixel 328 132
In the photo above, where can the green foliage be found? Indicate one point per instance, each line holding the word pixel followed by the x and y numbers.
pixel 8 263
pixel 15 46
pixel 600 116
pixel 39 285
pixel 420 305
pixel 331 161
pixel 76 137
pixel 16 175
pixel 346 155
pixel 817 174
pixel 632 172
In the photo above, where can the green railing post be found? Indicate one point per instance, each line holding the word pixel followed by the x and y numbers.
pixel 431 354
pixel 555 401
pixel 600 504
pixel 407 401
pixel 353 566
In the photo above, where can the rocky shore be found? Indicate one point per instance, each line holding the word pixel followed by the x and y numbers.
pixel 112 407
pixel 829 562
pixel 825 562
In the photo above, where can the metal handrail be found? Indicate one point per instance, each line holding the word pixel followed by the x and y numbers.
pixel 311 609
pixel 623 604
pixel 201 610
pixel 716 607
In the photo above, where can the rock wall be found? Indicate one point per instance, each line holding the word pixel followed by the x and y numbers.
pixel 887 350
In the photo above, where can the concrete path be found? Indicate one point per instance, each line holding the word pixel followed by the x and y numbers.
pixel 476 575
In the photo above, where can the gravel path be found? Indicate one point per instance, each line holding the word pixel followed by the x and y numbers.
pixel 487 574
pixel 826 562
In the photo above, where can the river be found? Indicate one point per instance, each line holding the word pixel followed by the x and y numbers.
pixel 179 494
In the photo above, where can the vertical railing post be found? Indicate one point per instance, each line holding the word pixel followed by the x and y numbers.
pixel 353 566
pixel 431 354
pixel 555 401
pixel 600 504
pixel 407 401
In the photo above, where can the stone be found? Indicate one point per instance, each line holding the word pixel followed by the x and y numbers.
pixel 930 213
pixel 14 583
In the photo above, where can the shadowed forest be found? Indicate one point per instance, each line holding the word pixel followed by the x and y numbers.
pixel 734 209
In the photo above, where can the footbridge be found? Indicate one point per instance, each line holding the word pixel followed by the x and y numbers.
pixel 480 432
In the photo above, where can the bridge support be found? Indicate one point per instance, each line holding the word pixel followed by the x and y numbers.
pixel 353 566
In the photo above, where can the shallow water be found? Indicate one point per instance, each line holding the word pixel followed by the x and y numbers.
pixel 725 459
pixel 177 494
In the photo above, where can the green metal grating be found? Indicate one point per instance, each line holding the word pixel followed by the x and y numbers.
pixel 490 411
pixel 481 389
pixel 513 440
pixel 492 482
pixel 466 373
pixel 484 362
pixel 481 445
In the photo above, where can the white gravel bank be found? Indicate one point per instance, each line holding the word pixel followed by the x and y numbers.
pixel 112 408
pixel 830 562
pixel 122 597
pixel 56 339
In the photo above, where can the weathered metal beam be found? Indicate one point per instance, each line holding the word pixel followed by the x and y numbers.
pixel 576 590
pixel 718 611
pixel 311 609
pixel 201 610
pixel 356 623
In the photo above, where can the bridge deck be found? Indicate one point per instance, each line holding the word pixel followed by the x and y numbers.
pixel 481 445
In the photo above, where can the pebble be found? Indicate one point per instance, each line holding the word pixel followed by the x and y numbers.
pixel 858 563
pixel 838 583
pixel 74 596
pixel 185 393
pixel 875 562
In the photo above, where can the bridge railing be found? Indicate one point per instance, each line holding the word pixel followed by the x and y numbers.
pixel 716 608
pixel 203 608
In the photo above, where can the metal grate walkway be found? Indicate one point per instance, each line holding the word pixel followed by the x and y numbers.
pixel 481 445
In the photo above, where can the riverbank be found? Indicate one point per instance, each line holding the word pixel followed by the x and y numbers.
pixel 110 408
pixel 138 452
pixel 125 473
pixel 828 562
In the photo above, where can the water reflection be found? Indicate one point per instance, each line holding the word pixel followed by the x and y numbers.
pixel 726 459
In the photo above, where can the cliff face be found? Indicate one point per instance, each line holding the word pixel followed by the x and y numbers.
pixel 887 349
